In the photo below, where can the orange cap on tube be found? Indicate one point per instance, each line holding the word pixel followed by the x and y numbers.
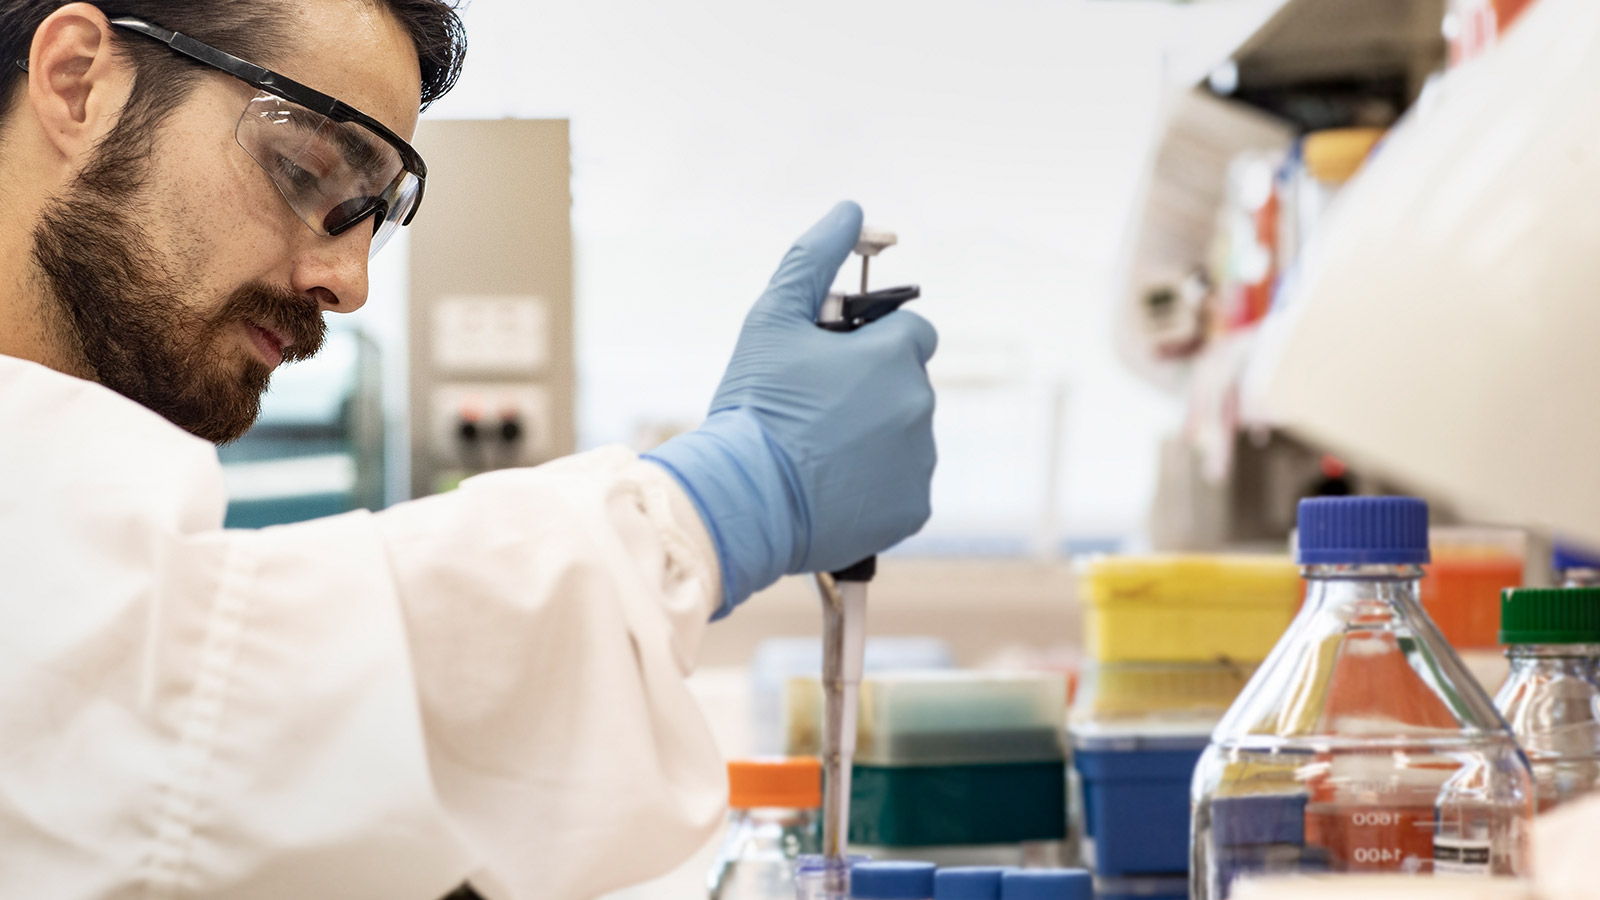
pixel 795 782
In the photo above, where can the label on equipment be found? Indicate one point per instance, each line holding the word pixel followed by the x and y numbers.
pixel 1460 856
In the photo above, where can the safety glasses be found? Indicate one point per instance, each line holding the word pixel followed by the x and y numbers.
pixel 335 165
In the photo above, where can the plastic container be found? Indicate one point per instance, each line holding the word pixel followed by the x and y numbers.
pixel 1187 609
pixel 1552 699
pixel 968 883
pixel 777 660
pixel 773 819
pixel 1461 590
pixel 948 806
pixel 1128 695
pixel 1461 593
pixel 1047 884
pixel 942 718
pixel 891 881
pixel 1364 714
pixel 1135 791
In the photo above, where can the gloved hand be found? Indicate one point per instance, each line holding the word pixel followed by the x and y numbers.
pixel 819 448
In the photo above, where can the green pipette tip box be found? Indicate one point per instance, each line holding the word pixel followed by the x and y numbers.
pixel 937 806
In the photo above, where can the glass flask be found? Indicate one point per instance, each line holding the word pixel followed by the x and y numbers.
pixel 774 818
pixel 1552 698
pixel 1362 744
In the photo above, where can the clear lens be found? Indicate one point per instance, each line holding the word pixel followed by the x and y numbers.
pixel 333 174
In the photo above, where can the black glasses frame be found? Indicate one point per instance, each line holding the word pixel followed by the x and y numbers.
pixel 287 88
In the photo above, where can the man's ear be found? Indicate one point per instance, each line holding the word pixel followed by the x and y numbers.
pixel 77 85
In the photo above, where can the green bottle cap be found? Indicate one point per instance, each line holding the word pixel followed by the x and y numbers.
pixel 1550 615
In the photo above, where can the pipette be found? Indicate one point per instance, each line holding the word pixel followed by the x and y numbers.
pixel 844 603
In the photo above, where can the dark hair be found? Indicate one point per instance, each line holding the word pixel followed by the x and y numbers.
pixel 250 29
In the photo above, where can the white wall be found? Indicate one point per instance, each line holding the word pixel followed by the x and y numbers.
pixel 1001 139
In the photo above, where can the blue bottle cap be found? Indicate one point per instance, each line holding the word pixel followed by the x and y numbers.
pixel 1568 556
pixel 970 883
pixel 891 881
pixel 1047 884
pixel 1363 531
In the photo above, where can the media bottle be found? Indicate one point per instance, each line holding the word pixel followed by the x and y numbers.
pixel 1551 700
pixel 1362 744
pixel 774 818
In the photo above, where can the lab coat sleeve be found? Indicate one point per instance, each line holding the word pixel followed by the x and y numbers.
pixel 486 684
pixel 553 615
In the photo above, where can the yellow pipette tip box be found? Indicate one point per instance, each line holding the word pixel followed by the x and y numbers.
pixel 1187 608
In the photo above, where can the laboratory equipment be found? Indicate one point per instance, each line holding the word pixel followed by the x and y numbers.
pixel 490 325
pixel 795 469
pixel 968 883
pixel 891 881
pixel 942 717
pixel 1470 566
pixel 1135 790
pixel 1187 608
pixel 1047 884
pixel 958 768
pixel 773 820
pixel 1173 639
pixel 777 661
pixel 1129 694
pixel 818 877
pixel 1552 698
pixel 844 592
pixel 1575 566
pixel 1362 744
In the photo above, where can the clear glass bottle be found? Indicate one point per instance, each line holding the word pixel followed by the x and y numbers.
pixel 774 818
pixel 1362 744
pixel 1552 699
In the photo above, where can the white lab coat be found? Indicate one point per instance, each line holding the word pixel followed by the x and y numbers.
pixel 485 684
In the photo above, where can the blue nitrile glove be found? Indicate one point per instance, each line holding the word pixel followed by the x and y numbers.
pixel 819 448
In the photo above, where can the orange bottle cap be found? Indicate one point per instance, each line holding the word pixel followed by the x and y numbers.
pixel 795 782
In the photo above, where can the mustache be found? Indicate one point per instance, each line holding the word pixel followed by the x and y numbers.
pixel 295 316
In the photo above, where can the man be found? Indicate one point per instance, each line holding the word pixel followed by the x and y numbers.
pixel 485 686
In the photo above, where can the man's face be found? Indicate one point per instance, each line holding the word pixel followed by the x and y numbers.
pixel 188 282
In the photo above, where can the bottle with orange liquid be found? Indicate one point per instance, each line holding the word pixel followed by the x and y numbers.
pixel 1362 744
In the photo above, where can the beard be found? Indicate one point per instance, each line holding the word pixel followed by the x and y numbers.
pixel 124 309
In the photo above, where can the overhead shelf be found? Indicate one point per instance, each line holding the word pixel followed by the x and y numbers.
pixel 1311 41
pixel 1307 64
